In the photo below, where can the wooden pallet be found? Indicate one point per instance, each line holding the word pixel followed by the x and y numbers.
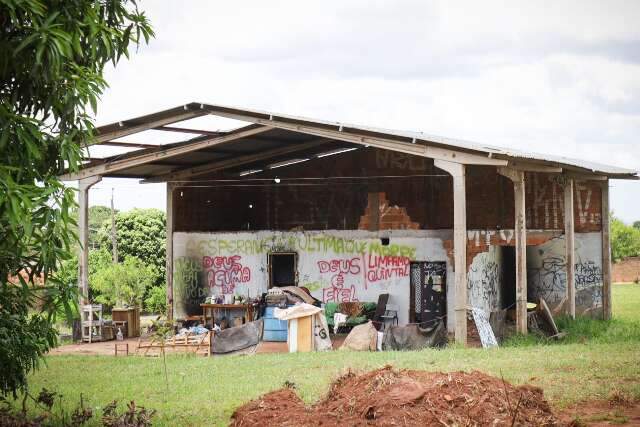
pixel 188 343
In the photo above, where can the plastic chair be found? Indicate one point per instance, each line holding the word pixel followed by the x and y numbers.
pixel 390 314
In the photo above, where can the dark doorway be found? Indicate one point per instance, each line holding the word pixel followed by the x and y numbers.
pixel 508 283
pixel 283 269
pixel 428 294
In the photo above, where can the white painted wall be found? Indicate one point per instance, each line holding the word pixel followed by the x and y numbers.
pixel 547 278
pixel 334 265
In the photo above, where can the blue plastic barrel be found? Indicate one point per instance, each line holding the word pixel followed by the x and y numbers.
pixel 274 329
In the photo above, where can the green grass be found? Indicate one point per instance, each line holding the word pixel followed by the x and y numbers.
pixel 596 358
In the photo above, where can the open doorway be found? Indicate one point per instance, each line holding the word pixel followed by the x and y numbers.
pixel 508 282
pixel 283 269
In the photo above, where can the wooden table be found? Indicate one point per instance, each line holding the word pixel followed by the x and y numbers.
pixel 213 308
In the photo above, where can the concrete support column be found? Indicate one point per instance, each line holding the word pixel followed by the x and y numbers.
pixel 569 242
pixel 457 171
pixel 83 235
pixel 169 251
pixel 517 176
pixel 606 253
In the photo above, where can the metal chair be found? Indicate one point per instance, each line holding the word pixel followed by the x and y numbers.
pixel 390 313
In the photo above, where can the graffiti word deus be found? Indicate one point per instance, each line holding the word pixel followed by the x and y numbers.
pixel 225 272
pixel 340 270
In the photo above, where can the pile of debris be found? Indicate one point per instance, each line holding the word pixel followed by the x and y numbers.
pixel 400 397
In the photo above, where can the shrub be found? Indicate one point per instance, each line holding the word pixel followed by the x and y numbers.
pixel 156 301
pixel 123 283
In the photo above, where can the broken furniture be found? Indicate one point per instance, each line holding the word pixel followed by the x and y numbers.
pixel 381 309
pixel 91 321
pixel 128 320
pixel 188 342
pixel 211 311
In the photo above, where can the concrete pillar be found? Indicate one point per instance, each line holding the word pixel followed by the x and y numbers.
pixel 169 250
pixel 457 171
pixel 606 253
pixel 517 176
pixel 569 248
pixel 83 235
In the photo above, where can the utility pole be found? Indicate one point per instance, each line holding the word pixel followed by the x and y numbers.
pixel 114 241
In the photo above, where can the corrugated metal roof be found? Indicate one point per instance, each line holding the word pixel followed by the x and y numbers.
pixel 181 113
pixel 453 143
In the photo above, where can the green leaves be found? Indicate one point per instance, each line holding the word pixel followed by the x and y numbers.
pixel 123 283
pixel 53 56
pixel 625 240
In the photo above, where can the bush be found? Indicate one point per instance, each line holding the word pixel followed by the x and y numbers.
pixel 123 283
pixel 156 301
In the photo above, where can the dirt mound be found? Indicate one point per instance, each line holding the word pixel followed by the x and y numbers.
pixel 401 397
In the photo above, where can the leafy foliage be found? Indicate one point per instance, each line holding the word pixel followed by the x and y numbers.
pixel 625 240
pixel 53 56
pixel 156 301
pixel 140 233
pixel 23 338
pixel 123 283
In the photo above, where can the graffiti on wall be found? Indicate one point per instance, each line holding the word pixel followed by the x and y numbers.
pixel 225 272
pixel 299 242
pixel 386 159
pixel 381 268
pixel 483 282
pixel 484 237
pixel 341 272
pixel 547 275
pixel 546 202
pixel 551 279
pixel 186 279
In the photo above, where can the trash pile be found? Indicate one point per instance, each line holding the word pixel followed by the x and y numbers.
pixel 401 397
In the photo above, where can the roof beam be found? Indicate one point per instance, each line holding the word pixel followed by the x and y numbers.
pixel 167 153
pixel 185 130
pixel 127 144
pixel 337 134
pixel 533 167
pixel 585 176
pixel 237 161
pixel 139 124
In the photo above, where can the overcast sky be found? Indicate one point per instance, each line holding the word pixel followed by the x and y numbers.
pixel 553 77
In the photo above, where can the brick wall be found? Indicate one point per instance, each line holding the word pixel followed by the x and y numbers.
pixel 627 270
pixel 412 193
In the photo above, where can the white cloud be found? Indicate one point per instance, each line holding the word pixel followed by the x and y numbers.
pixel 557 77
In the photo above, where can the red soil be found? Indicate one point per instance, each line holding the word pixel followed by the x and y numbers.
pixel 391 397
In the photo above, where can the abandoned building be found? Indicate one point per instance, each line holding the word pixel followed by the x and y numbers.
pixel 350 212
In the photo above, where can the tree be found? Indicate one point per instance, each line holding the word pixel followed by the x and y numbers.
pixel 98 215
pixel 625 240
pixel 636 224
pixel 53 54
pixel 123 283
pixel 140 233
